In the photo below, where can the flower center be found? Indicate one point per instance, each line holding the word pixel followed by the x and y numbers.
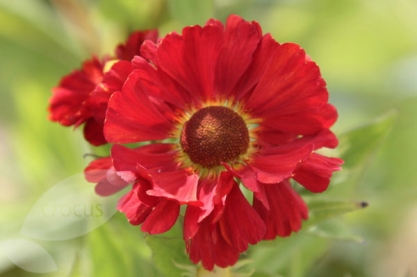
pixel 213 135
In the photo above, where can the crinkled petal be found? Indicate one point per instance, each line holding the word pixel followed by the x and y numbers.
pixel 132 117
pixel 179 185
pixel 109 181
pixel 240 224
pixel 162 218
pixel 289 84
pixel 219 242
pixel 241 39
pixel 113 81
pixel 212 193
pixel 209 247
pixel 148 51
pixel 303 122
pixel 315 173
pixel 97 169
pixel 158 156
pixel 133 44
pixel 135 210
pixel 191 59
pixel 285 212
pixel 93 132
pixel 160 85
pixel 66 105
pixel 271 169
pixel 260 60
pixel 324 138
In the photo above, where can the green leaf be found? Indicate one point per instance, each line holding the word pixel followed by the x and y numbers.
pixel 118 249
pixel 334 230
pixel 106 254
pixel 359 145
pixel 168 252
pixel 191 12
pixel 358 148
pixel 322 209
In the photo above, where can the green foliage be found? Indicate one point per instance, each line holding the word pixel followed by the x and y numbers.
pixel 190 12
pixel 168 252
pixel 360 144
pixel 116 250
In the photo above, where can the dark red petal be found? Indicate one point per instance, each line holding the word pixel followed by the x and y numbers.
pixel 162 218
pixel 132 117
pixel 303 122
pixel 315 173
pixel 209 247
pixel 191 221
pixel 132 46
pixel 324 138
pixel 93 132
pixel 260 60
pixel 148 51
pixel 161 86
pixel 289 84
pixel 219 242
pixel 271 169
pixel 66 105
pixel 212 193
pixel 113 81
pixel 241 39
pixel 286 210
pixel 191 59
pixel 135 211
pixel 179 185
pixel 240 224
pixel 158 156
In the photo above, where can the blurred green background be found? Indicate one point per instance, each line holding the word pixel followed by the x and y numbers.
pixel 367 52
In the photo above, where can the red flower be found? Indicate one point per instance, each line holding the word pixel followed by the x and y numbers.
pixel 82 95
pixel 221 106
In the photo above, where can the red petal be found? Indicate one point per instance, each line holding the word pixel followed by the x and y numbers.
pixel 93 132
pixel 275 168
pixel 191 59
pixel 97 169
pixel 161 86
pixel 303 122
pixel 220 242
pixel 211 192
pixel 241 39
pixel 260 60
pixel 66 104
pixel 135 211
pixel 324 138
pixel 191 221
pixel 315 173
pixel 132 46
pixel 114 182
pixel 240 224
pixel 158 156
pixel 289 84
pixel 132 117
pixel 149 51
pixel 286 210
pixel 113 81
pixel 101 171
pixel 162 218
pixel 178 185
pixel 209 247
